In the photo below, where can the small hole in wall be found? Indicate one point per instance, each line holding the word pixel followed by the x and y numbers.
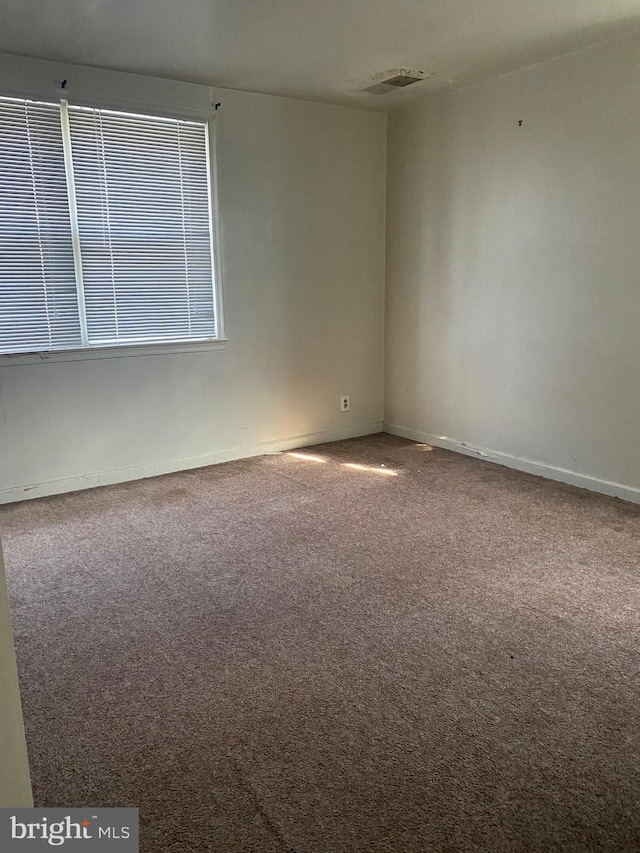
pixel 519 122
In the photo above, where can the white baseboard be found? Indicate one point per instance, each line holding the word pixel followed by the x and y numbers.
pixel 169 466
pixel 541 469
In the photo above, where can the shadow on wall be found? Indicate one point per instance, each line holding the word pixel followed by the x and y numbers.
pixel 512 298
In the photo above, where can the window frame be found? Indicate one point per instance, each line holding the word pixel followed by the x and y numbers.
pixel 143 348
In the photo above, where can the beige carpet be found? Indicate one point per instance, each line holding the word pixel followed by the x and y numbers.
pixel 285 654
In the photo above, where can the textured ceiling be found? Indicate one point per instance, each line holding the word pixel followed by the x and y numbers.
pixel 322 50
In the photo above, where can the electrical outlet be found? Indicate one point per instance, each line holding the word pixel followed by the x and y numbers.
pixel 345 403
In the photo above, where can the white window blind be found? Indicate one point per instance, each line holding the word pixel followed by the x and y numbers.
pixel 142 194
pixel 105 228
pixel 38 297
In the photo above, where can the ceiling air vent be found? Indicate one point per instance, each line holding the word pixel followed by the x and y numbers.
pixel 390 81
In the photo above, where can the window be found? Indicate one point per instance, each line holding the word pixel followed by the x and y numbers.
pixel 106 233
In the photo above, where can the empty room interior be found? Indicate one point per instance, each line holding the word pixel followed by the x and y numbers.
pixel 319 424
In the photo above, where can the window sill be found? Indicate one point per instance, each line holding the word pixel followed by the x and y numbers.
pixel 125 351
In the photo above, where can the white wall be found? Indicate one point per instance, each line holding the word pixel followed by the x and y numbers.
pixel 302 216
pixel 15 785
pixel 513 269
